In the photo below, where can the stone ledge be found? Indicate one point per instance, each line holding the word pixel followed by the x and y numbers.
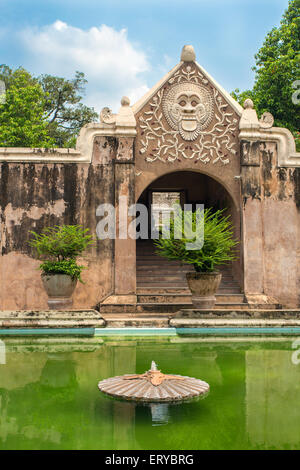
pixel 233 323
pixel 250 313
pixel 51 319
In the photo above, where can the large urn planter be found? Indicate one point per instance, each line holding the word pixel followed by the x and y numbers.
pixel 60 246
pixel 203 287
pixel 60 288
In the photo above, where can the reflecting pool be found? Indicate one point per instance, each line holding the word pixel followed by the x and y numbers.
pixel 49 397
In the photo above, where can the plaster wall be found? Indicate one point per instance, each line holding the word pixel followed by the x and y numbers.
pixel 271 221
pixel 37 195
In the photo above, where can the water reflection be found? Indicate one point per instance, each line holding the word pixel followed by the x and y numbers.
pixel 49 397
pixel 159 413
pixel 272 399
pixel 2 352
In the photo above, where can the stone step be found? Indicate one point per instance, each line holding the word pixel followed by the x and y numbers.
pixel 162 290
pixel 164 298
pixel 159 261
pixel 138 315
pixel 180 282
pixel 164 307
pixel 174 272
pixel 164 284
pixel 186 298
pixel 143 265
pixel 144 307
pixel 171 289
pixel 137 322
pixel 224 289
pixel 176 281
pixel 158 277
pixel 146 269
pixel 229 290
pixel 163 275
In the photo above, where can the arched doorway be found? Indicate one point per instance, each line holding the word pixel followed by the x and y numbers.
pixel 157 276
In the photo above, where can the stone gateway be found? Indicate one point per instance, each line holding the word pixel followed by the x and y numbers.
pixel 188 139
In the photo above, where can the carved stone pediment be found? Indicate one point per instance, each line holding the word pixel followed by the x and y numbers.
pixel 187 118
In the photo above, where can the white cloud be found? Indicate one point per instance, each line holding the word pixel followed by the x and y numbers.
pixel 112 64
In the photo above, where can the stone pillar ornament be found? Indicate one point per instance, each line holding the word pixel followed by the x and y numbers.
pixel 251 194
pixel 188 54
pixel 125 247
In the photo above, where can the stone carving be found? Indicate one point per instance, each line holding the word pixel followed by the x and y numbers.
pixel 189 74
pixel 266 121
pixel 107 116
pixel 125 151
pixel 189 106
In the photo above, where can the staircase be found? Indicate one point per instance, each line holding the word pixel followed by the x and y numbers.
pixel 163 282
pixel 162 291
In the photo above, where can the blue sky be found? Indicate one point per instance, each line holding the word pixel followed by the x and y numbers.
pixel 124 47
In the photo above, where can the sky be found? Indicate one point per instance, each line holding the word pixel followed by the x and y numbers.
pixel 125 46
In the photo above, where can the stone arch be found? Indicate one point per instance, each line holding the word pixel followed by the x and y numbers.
pixel 201 187
pixel 231 192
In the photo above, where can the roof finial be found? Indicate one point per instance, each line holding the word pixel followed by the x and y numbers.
pixel 188 54
pixel 125 101
pixel 248 104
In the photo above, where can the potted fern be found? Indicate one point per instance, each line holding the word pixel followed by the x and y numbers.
pixel 59 246
pixel 216 247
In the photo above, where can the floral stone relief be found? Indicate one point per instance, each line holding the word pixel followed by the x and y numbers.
pixel 188 119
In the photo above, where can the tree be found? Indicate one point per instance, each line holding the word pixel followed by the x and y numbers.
pixel 64 111
pixel 42 111
pixel 277 68
pixel 22 121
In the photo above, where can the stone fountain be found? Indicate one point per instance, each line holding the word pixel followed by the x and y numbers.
pixel 153 387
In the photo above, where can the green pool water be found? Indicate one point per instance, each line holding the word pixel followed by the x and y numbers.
pixel 49 397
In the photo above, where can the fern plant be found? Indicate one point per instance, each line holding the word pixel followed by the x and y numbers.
pixel 217 237
pixel 60 246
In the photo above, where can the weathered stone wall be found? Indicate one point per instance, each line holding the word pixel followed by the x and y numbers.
pixel 271 221
pixel 186 123
pixel 36 195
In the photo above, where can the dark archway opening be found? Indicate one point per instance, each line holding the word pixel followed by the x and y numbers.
pixel 190 188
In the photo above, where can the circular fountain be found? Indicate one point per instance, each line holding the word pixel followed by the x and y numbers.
pixel 153 387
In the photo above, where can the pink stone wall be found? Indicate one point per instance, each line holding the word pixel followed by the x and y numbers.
pixel 34 196
pixel 271 229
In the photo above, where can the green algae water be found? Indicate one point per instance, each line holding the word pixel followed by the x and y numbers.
pixel 49 397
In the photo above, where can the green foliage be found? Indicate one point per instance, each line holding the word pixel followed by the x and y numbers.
pixel 277 68
pixel 65 113
pixel 241 96
pixel 22 121
pixel 297 140
pixel 68 266
pixel 42 112
pixel 218 244
pixel 62 244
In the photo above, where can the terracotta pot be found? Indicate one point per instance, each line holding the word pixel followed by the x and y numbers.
pixel 60 288
pixel 203 287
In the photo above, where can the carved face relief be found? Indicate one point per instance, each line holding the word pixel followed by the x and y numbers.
pixel 188 108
